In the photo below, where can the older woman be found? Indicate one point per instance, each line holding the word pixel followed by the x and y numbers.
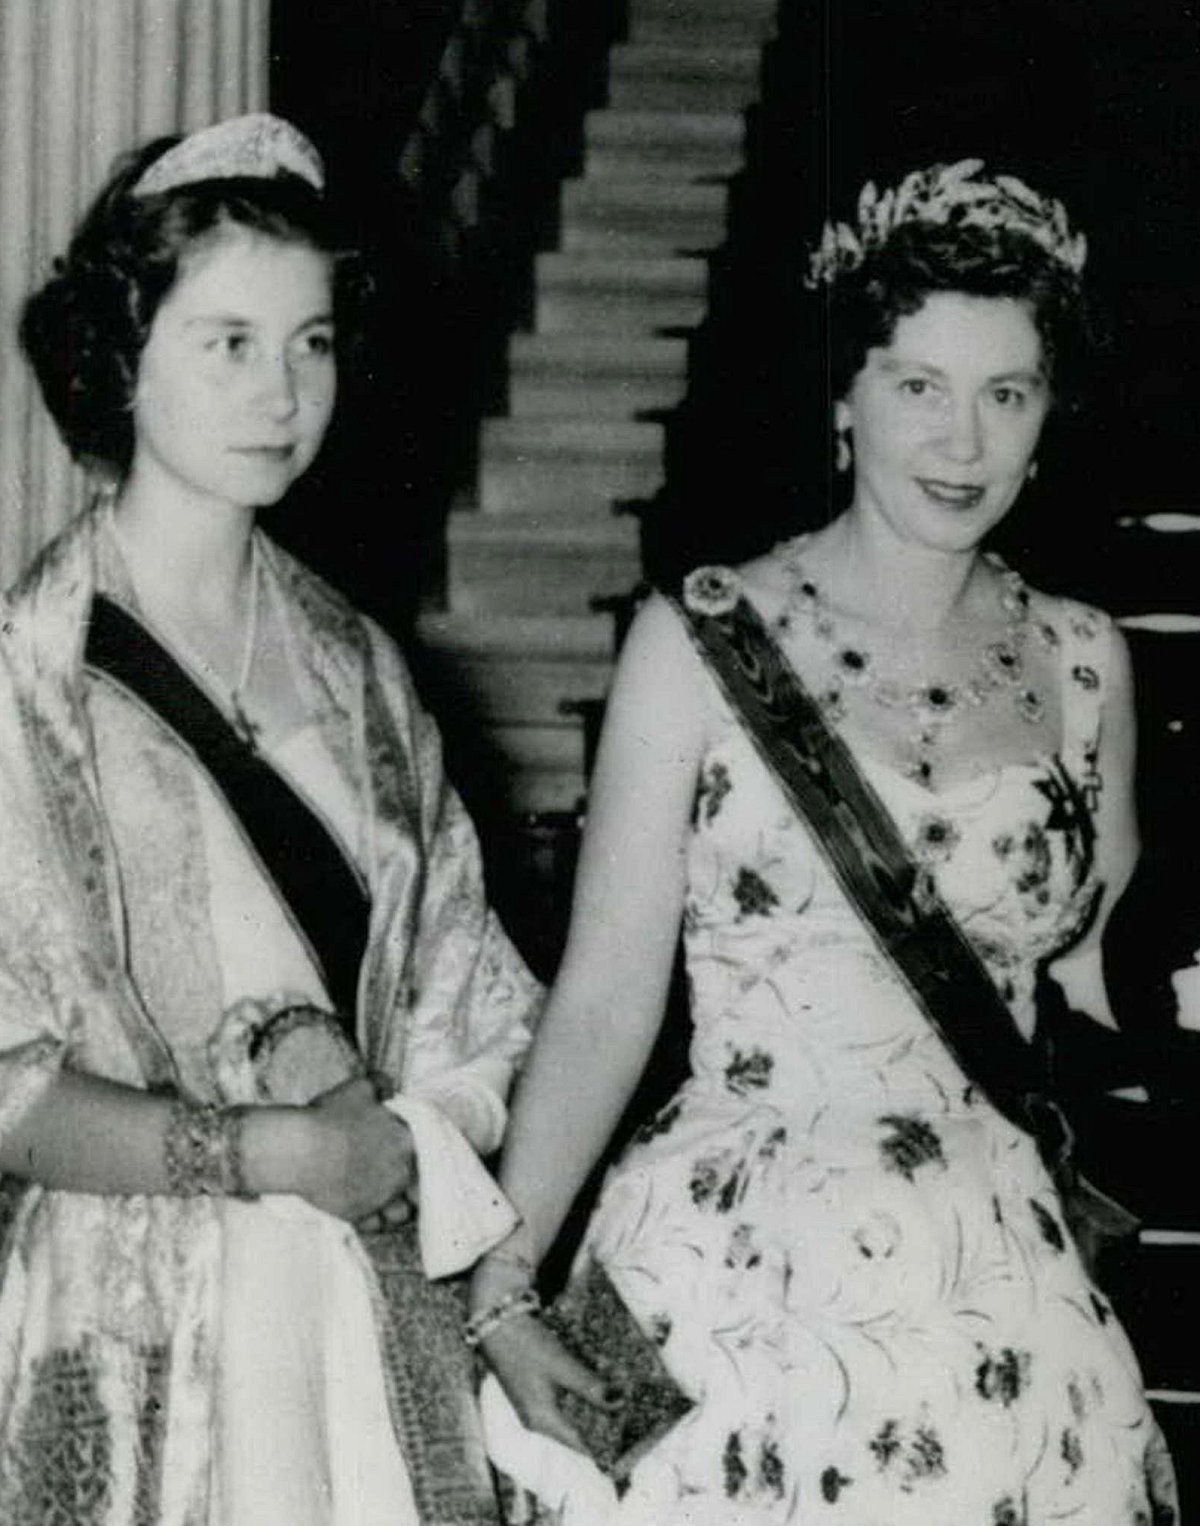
pixel 249 978
pixel 881 782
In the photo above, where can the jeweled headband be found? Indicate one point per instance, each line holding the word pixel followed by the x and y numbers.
pixel 947 195
pixel 257 146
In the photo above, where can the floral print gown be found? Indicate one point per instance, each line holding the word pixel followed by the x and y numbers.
pixel 858 1268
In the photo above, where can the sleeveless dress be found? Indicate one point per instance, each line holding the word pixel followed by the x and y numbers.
pixel 856 1266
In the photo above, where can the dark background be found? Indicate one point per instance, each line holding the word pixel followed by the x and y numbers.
pixel 1096 102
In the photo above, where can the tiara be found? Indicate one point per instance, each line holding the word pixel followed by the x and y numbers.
pixel 258 146
pixel 946 195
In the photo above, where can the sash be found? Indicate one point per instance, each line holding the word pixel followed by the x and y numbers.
pixel 305 863
pixel 895 897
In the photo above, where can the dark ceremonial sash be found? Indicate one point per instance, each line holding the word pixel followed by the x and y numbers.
pixel 307 866
pixel 872 863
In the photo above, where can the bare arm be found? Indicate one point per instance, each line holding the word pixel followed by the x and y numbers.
pixel 608 1000
pixel 1080 972
pixel 346 1154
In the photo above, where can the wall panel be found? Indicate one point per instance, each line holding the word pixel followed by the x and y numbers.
pixel 82 81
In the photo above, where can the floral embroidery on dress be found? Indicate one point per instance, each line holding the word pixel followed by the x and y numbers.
pixel 1001 1375
pixel 718 1181
pixel 754 896
pixel 910 1143
pixel 748 1071
pixel 936 838
pixel 713 785
pixel 743 1254
pixel 918 1458
pixel 1048 1226
pixel 660 1123
pixel 767 1479
pixel 1029 856
pixel 1071 1450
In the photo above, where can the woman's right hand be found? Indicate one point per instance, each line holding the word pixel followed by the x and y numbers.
pixel 533 1366
pixel 363 1156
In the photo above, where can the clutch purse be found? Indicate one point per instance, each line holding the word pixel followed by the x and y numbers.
pixel 593 1322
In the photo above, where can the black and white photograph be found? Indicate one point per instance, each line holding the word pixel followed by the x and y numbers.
pixel 599 762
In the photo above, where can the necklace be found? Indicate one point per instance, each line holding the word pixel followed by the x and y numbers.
pixel 932 704
pixel 234 693
pixel 245 727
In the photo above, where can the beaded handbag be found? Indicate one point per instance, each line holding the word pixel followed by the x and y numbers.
pixel 593 1322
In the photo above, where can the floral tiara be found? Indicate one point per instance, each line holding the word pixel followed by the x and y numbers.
pixel 946 195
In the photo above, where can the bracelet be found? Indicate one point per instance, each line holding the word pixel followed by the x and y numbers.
pixel 202 1150
pixel 481 1325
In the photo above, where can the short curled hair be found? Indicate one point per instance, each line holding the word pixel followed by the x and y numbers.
pixel 84 330
pixel 921 258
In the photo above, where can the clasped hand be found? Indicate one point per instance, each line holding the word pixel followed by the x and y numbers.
pixel 533 1367
pixel 367 1168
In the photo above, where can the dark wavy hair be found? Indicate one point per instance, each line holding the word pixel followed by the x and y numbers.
pixel 920 259
pixel 84 330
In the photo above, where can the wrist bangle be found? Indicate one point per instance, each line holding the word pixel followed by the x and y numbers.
pixel 481 1325
pixel 202 1150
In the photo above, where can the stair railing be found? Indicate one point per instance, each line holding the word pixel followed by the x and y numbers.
pixel 501 111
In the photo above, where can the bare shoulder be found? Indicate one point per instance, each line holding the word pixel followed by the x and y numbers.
pixel 658 665
pixel 661 701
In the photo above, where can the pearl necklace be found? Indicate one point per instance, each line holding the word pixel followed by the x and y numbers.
pixel 234 693
pixel 934 703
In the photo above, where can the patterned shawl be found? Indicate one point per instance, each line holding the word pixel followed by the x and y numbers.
pixel 108 1305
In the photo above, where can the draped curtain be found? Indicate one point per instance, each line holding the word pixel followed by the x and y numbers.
pixel 81 81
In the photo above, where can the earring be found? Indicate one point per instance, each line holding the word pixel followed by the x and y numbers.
pixel 1031 472
pixel 842 454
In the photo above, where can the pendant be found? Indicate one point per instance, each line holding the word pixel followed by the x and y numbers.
pixel 245 728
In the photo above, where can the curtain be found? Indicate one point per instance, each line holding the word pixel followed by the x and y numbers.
pixel 82 81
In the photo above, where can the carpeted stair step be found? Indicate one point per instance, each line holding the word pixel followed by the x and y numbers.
pixel 521 669
pixel 566 467
pixel 635 215
pixel 716 26
pixel 529 564
pixel 682 77
pixel 678 145
pixel 594 375
pixel 587 293
pixel 686 13
pixel 539 768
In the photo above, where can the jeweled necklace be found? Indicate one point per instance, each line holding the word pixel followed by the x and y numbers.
pixel 935 703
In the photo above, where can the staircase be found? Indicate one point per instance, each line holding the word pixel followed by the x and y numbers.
pixel 553 531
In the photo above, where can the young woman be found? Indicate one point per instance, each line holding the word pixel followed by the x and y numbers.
pixel 250 980
pixel 851 1253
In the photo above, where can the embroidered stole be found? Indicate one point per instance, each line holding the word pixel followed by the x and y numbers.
pixel 304 862
pixel 894 896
